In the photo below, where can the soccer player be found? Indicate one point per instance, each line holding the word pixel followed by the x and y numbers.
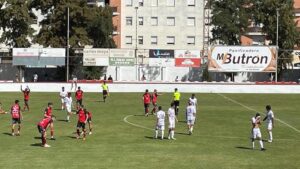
pixel 154 96
pixel 270 122
pixel 79 96
pixel 193 101
pixel 16 118
pixel 48 114
pixel 62 96
pixel 256 134
pixel 89 120
pixel 172 118
pixel 147 99
pixel 26 92
pixel 105 91
pixel 160 123
pixel 191 115
pixel 42 127
pixel 176 101
pixel 68 104
pixel 1 109
pixel 74 81
pixel 82 119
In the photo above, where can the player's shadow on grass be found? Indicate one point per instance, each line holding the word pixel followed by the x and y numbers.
pixel 36 144
pixel 244 148
pixel 72 137
pixel 181 133
pixel 8 134
pixel 58 109
pixel 152 138
pixel 62 120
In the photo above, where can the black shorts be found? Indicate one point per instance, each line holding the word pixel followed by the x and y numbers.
pixel 16 121
pixel 176 103
pixel 40 129
pixel 79 101
pixel 146 105
pixel 104 92
pixel 89 120
pixel 80 125
pixel 26 101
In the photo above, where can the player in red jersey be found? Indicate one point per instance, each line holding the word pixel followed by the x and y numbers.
pixel 147 99
pixel 89 120
pixel 16 118
pixel 42 127
pixel 26 92
pixel 154 96
pixel 79 96
pixel 82 119
pixel 48 114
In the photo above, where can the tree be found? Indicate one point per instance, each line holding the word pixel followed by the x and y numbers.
pixel 265 13
pixel 230 18
pixel 16 19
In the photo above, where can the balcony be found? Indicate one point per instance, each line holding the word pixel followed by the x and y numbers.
pixel 255 30
pixel 115 11
pixel 96 2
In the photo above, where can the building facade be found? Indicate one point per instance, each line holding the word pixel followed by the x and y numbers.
pixel 162 24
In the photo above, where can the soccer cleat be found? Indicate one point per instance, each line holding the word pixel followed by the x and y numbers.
pixel 83 138
pixel 52 138
pixel 262 149
pixel 77 137
pixel 18 134
pixel 90 133
pixel 173 138
pixel 169 137
pixel 12 134
pixel 270 141
pixel 46 145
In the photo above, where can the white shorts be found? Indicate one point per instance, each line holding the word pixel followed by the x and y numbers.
pixel 62 100
pixel 190 120
pixel 160 127
pixel 172 124
pixel 69 109
pixel 256 133
pixel 269 126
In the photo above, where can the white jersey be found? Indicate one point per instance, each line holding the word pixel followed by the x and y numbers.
pixel 171 114
pixel 68 101
pixel 161 118
pixel 190 111
pixel 270 116
pixel 193 101
pixel 63 94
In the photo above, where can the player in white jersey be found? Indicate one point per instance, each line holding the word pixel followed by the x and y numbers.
pixel 191 115
pixel 256 134
pixel 270 122
pixel 62 96
pixel 193 101
pixel 160 123
pixel 172 118
pixel 68 104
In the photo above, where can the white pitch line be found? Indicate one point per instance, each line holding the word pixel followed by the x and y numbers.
pixel 249 108
pixel 136 125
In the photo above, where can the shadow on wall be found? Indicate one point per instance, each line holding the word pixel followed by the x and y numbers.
pixel 8 72
pixel 151 73
pixel 194 74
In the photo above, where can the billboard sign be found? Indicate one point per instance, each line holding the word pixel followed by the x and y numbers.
pixel 296 59
pixel 121 53
pixel 39 57
pixel 95 57
pixel 121 61
pixel 158 53
pixel 163 62
pixel 187 53
pixel 187 62
pixel 242 59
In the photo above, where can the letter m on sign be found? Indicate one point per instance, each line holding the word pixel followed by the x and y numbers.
pixel 220 56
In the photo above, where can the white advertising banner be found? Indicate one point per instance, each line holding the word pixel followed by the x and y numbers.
pixel 296 59
pixel 242 59
pixel 128 53
pixel 187 53
pixel 162 62
pixel 24 52
pixel 95 57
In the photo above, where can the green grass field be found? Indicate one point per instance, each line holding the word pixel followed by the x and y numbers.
pixel 220 139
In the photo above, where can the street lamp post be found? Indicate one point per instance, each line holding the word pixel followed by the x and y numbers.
pixel 68 43
pixel 277 36
pixel 136 42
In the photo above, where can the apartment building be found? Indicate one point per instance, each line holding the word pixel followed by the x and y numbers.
pixel 163 24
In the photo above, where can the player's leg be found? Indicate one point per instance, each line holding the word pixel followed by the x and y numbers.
pixel 156 132
pixel 84 130
pixel 27 104
pixel 146 109
pixel 270 126
pixel 13 127
pixel 69 112
pixel 52 131
pixel 260 140
pixel 90 126
pixel 154 108
pixel 169 133
pixel 162 130
pixel 19 128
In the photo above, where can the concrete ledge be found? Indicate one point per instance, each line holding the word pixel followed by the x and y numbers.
pixel 161 87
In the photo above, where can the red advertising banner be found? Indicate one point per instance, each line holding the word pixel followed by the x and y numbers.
pixel 187 62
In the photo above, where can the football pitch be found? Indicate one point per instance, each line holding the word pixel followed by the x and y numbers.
pixel 123 138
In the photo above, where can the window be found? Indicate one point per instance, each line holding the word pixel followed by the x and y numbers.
pixel 191 40
pixel 128 40
pixel 141 2
pixel 128 2
pixel 141 40
pixel 128 20
pixel 191 21
pixel 171 40
pixel 141 21
pixel 170 2
pixel 154 2
pixel 171 21
pixel 154 21
pixel 191 2
pixel 153 40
